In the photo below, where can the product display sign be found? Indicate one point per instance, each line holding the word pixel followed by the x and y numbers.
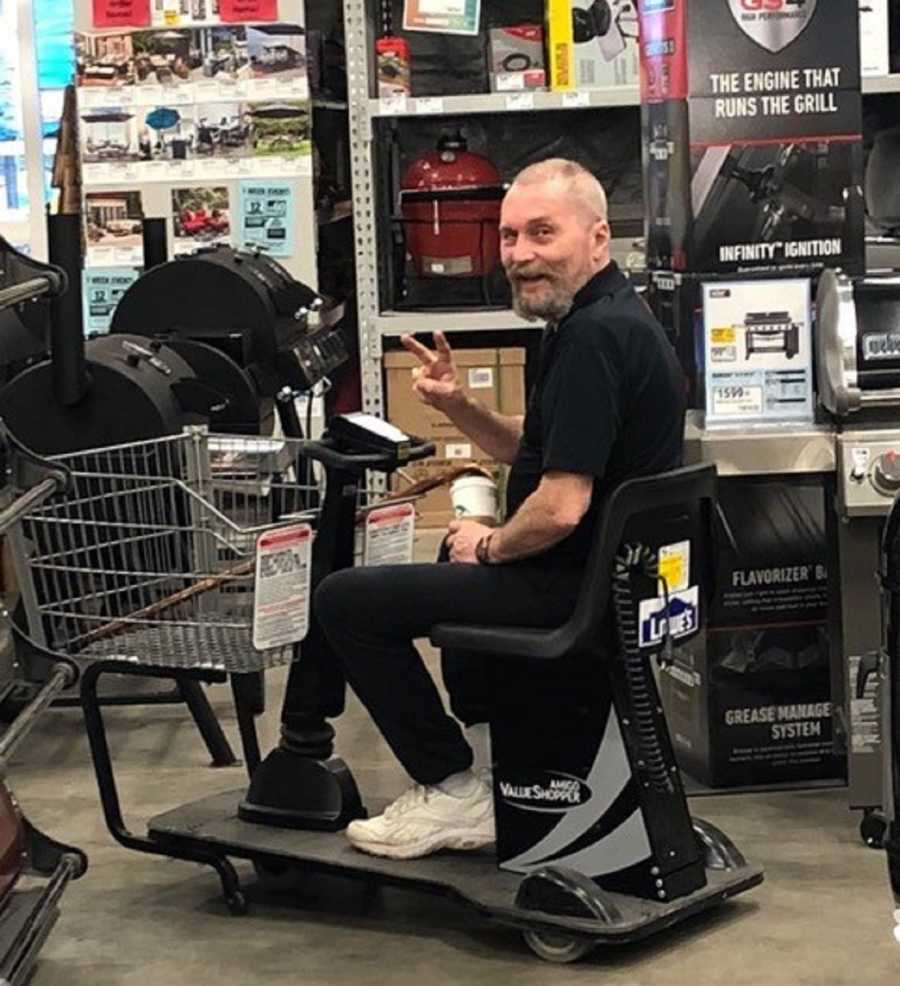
pixel 248 10
pixel 120 13
pixel 757 344
pixel 752 123
pixel 102 287
pixel 442 16
pixel 267 216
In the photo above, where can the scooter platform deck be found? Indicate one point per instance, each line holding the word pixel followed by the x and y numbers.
pixel 211 824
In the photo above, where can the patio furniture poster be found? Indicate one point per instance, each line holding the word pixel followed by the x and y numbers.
pixel 201 216
pixel 267 216
pixel 191 65
pixel 113 228
pixel 102 287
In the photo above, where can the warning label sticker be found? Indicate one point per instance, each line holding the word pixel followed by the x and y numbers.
pixel 281 601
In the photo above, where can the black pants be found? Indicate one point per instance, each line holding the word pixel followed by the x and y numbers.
pixel 372 615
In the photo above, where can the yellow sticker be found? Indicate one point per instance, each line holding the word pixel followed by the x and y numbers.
pixel 675 565
pixel 172 18
pixel 722 336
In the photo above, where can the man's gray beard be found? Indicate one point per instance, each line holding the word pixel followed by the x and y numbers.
pixel 552 309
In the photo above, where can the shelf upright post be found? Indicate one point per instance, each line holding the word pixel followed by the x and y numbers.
pixel 359 36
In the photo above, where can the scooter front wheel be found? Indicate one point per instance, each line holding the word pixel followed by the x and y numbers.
pixel 873 828
pixel 552 947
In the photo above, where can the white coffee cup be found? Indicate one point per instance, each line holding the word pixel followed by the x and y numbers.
pixel 474 498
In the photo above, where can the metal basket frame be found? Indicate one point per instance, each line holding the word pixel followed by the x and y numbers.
pixel 150 556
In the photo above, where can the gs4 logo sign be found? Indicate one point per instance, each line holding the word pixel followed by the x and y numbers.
pixel 773 24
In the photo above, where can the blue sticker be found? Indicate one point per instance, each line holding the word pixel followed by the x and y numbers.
pixel 102 287
pixel 267 216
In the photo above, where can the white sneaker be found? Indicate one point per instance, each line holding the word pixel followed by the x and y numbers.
pixel 425 819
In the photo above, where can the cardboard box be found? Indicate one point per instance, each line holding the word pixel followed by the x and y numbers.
pixel 751 702
pixel 592 44
pixel 516 58
pixel 495 377
pixel 752 121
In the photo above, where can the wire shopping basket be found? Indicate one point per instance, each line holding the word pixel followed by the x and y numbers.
pixel 151 555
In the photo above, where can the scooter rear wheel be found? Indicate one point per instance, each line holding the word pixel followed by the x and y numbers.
pixel 552 947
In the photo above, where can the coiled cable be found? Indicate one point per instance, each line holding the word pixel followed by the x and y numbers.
pixel 633 562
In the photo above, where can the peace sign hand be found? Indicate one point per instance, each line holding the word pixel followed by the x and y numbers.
pixel 435 381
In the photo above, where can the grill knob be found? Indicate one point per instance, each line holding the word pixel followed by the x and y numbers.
pixel 886 474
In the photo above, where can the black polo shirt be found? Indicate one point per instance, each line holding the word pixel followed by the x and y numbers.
pixel 609 402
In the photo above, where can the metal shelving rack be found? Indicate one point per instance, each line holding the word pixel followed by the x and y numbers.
pixel 375 323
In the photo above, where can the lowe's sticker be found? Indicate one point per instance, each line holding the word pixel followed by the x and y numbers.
pixel 680 618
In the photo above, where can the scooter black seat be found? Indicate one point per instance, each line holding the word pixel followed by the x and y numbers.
pixel 630 500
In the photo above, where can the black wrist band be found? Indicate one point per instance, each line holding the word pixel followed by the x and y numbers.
pixel 483 549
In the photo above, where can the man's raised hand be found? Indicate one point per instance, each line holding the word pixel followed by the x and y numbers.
pixel 435 381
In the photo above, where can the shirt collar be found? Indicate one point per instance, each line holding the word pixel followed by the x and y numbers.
pixel 605 282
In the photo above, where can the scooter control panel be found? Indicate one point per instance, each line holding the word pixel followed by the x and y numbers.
pixel 868 472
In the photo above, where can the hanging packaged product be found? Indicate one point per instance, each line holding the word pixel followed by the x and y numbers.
pixel 593 44
pixel 752 122
pixel 516 58
pixel 393 67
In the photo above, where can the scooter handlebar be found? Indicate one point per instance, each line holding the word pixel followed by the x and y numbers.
pixel 328 452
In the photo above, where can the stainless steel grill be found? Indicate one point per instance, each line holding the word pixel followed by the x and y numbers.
pixel 151 555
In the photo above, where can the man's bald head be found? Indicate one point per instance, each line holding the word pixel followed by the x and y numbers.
pixel 575 179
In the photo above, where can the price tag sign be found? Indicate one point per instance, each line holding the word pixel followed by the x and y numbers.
pixel 735 400
pixel 171 13
pixel 574 100
pixel 675 565
pixel 427 105
pixel 520 101
pixel 158 170
pixel 393 105
pixel 282 586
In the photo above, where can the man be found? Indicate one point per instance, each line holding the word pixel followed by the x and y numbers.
pixel 608 405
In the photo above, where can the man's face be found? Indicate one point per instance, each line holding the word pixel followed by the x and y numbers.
pixel 549 247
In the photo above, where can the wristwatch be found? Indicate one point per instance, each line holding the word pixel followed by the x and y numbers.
pixel 483 549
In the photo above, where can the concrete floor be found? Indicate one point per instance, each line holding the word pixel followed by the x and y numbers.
pixel 822 918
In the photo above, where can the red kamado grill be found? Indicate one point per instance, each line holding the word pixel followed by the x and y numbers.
pixel 450 203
